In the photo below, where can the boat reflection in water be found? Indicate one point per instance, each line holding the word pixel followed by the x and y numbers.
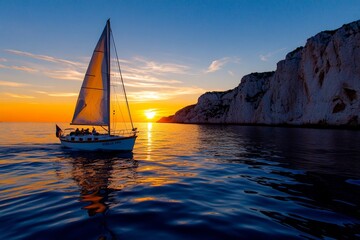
pixel 100 174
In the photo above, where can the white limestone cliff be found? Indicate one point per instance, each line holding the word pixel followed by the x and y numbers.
pixel 315 84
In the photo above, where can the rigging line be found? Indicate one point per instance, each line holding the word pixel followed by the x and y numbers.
pixel 122 81
pixel 112 105
pixel 117 105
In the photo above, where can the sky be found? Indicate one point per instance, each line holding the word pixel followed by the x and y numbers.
pixel 171 51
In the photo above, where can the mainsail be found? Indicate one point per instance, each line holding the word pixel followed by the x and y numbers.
pixel 93 104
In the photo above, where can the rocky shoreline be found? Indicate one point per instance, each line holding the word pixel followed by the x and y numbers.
pixel 285 125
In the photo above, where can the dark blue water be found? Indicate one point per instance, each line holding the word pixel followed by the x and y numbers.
pixel 182 182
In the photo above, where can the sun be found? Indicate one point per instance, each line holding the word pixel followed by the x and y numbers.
pixel 150 114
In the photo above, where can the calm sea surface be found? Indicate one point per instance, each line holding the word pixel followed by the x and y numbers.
pixel 182 182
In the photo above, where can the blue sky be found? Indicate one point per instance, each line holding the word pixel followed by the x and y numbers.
pixel 170 50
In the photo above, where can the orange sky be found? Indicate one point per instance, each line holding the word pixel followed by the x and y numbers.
pixel 24 111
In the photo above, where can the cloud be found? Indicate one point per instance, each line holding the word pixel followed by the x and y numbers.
pixel 71 70
pixel 23 68
pixel 20 68
pixel 265 57
pixel 136 69
pixel 143 85
pixel 3 60
pixel 154 88
pixel 58 94
pixel 153 85
pixel 19 96
pixel 63 94
pixel 231 73
pixel 148 80
pixel 145 79
pixel 44 57
pixel 217 64
pixel 139 68
pixel 66 74
pixel 12 84
pixel 159 68
pixel 164 94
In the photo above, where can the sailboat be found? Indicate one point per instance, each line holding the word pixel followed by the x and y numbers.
pixel 93 106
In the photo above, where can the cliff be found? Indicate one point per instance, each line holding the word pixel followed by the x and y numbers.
pixel 315 84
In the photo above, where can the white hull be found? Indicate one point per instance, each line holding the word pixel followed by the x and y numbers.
pixel 99 143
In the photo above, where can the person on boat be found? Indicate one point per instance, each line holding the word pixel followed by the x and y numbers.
pixel 87 131
pixel 77 131
pixel 93 131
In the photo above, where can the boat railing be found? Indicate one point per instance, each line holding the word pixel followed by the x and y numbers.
pixel 124 132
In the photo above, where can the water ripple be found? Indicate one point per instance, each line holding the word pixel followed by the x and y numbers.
pixel 219 182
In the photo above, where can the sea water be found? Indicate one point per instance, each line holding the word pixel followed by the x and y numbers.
pixel 182 182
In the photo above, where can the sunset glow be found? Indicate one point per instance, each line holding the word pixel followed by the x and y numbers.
pixel 150 114
pixel 168 55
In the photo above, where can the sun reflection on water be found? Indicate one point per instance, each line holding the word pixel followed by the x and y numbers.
pixel 149 140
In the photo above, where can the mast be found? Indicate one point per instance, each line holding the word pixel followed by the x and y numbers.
pixel 108 70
